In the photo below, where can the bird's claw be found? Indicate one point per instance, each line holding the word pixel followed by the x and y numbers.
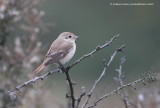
pixel 62 67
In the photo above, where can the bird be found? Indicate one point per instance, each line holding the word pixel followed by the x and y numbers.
pixel 60 51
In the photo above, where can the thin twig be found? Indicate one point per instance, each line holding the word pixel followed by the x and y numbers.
pixel 150 78
pixel 95 50
pixel 83 92
pixel 102 74
pixel 119 81
pixel 33 80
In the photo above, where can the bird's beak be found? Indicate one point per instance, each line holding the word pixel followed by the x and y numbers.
pixel 76 37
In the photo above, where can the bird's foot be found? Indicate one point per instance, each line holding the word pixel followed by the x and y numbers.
pixel 62 67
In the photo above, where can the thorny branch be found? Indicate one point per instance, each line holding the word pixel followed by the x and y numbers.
pixel 151 77
pixel 13 91
pixel 120 82
pixel 95 50
pixel 102 74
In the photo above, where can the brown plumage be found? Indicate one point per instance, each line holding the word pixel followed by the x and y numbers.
pixel 61 50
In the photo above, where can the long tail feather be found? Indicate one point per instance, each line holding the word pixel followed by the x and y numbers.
pixel 38 69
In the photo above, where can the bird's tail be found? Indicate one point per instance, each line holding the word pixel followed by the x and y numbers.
pixel 38 69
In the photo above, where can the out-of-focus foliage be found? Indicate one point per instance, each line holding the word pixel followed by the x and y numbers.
pixel 20 25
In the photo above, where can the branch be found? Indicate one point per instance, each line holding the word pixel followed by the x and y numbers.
pixel 83 92
pixel 70 83
pixel 32 81
pixel 94 51
pixel 151 77
pixel 13 91
pixel 120 82
pixel 102 74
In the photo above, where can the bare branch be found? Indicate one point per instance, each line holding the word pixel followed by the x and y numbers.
pixel 95 50
pixel 13 92
pixel 70 83
pixel 66 71
pixel 83 92
pixel 120 82
pixel 102 74
pixel 151 77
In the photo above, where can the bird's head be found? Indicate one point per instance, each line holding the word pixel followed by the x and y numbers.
pixel 68 36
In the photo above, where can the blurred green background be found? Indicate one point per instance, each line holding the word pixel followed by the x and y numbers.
pixel 96 22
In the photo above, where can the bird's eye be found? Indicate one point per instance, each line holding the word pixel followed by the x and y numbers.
pixel 69 36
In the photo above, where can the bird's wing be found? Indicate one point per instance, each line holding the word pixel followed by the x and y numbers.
pixel 54 55
pixel 54 58
pixel 57 45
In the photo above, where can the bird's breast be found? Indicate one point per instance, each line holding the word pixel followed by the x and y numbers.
pixel 69 55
